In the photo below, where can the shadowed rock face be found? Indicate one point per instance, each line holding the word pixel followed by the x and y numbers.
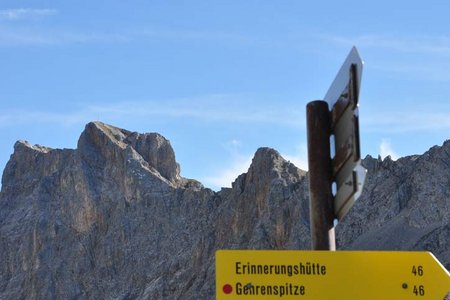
pixel 114 219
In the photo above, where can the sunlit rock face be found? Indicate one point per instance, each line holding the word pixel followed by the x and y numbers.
pixel 113 219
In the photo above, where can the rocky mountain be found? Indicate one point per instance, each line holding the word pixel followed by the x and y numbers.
pixel 405 206
pixel 113 219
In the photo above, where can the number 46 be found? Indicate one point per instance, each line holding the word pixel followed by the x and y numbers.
pixel 417 270
pixel 419 291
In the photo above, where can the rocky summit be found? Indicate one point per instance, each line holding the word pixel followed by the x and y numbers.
pixel 113 219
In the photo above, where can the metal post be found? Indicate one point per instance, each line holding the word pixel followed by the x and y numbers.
pixel 320 176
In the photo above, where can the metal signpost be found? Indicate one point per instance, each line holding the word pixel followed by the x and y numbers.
pixel 334 119
pixel 342 98
pixel 334 159
pixel 320 275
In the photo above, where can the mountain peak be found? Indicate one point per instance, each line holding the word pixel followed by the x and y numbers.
pixel 115 212
pixel 104 142
pixel 268 165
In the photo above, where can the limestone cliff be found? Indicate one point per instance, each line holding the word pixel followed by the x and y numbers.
pixel 405 205
pixel 113 219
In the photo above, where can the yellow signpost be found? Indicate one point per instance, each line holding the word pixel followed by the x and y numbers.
pixel 320 275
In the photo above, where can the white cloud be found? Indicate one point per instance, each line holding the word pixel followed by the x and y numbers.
pixel 25 13
pixel 33 37
pixel 386 150
pixel 413 44
pixel 50 36
pixel 239 164
pixel 419 57
pixel 237 109
pixel 207 108
pixel 299 158
pixel 21 117
pixel 235 143
pixel 201 35
pixel 406 121
pixel 216 108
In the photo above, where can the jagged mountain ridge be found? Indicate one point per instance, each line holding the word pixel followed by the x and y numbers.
pixel 114 219
pixel 405 205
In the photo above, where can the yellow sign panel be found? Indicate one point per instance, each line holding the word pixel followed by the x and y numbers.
pixel 320 275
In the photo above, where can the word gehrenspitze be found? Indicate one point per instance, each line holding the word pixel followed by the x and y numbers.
pixel 287 289
pixel 306 268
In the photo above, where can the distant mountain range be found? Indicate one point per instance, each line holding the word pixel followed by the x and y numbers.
pixel 113 219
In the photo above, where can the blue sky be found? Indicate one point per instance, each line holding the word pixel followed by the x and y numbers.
pixel 221 78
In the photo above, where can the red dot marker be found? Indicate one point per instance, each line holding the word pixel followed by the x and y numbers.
pixel 227 289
